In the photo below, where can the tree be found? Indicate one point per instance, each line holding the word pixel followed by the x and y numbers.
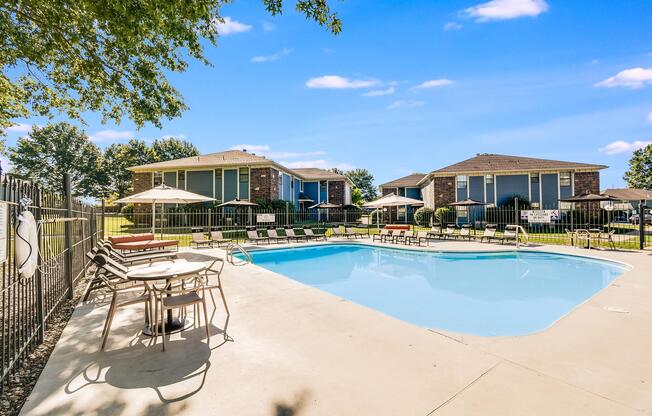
pixel 49 152
pixel 639 174
pixel 363 180
pixel 356 197
pixel 109 56
pixel 172 148
pixel 120 156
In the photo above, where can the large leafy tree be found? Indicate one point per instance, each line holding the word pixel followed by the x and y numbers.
pixel 172 148
pixel 120 156
pixel 49 152
pixel 112 57
pixel 639 174
pixel 364 181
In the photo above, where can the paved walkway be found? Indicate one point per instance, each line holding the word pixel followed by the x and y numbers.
pixel 299 351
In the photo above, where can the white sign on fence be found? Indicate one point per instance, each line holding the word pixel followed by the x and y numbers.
pixel 540 216
pixel 265 218
pixel 4 217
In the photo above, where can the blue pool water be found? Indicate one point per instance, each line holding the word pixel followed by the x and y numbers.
pixel 489 294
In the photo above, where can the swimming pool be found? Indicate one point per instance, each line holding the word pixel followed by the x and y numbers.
pixel 488 294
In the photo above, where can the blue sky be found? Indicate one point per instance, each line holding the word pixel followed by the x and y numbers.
pixel 416 85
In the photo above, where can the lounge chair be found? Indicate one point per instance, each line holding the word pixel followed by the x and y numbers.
pixel 490 233
pixel 337 232
pixel 384 233
pixel 423 235
pixel 289 232
pixel 272 234
pixel 465 232
pixel 252 236
pixel 394 235
pixel 450 231
pixel 139 257
pixel 350 232
pixel 310 234
pixel 406 237
pixel 199 239
pixel 217 236
pixel 510 234
pixel 435 231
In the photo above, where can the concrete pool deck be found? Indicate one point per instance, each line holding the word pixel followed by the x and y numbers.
pixel 299 351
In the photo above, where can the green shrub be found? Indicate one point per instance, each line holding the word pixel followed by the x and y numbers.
pixel 444 214
pixel 423 216
pixel 128 212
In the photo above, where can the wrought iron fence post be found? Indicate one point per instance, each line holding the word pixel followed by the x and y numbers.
pixel 67 274
pixel 39 276
pixel 103 220
pixel 641 224
pixel 516 219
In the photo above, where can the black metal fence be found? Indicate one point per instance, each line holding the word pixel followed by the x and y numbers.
pixel 67 229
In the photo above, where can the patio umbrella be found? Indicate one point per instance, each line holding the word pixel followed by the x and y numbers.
pixel 392 200
pixel 588 197
pixel 468 202
pixel 235 203
pixel 303 197
pixel 324 205
pixel 164 194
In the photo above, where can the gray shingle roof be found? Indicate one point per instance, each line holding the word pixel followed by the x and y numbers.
pixel 489 163
pixel 406 181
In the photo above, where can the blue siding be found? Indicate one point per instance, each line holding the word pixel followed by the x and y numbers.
pixel 287 191
pixel 297 190
pixel 509 185
pixel 565 191
pixel 414 193
pixel 200 182
pixel 549 183
pixel 312 190
pixel 230 184
pixel 534 191
pixel 476 188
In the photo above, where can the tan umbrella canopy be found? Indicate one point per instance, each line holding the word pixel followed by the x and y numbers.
pixel 468 202
pixel 164 194
pixel 588 197
pixel 392 200
pixel 238 203
pixel 324 205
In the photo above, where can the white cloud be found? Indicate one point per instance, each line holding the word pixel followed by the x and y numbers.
pixel 631 78
pixel 621 146
pixel 405 104
pixel 268 27
pixel 338 82
pixel 229 27
pixel 111 135
pixel 319 163
pixel 649 118
pixel 452 26
pixel 506 9
pixel 378 93
pixel 274 57
pixel 20 128
pixel 434 83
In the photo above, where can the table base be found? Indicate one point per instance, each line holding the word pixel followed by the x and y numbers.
pixel 171 327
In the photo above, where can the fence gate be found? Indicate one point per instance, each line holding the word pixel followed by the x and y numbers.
pixel 67 229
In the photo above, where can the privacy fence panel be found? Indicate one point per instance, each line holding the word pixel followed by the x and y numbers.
pixel 67 228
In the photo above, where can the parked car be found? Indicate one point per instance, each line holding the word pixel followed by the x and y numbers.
pixel 635 218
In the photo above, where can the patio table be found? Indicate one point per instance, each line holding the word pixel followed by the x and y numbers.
pixel 168 271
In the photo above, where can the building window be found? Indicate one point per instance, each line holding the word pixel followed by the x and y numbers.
pixel 564 179
pixel 534 178
pixel 244 183
pixel 461 181
pixel 158 178
pixel 218 185
pixel 181 179
pixel 244 175
pixel 489 179
pixel 401 191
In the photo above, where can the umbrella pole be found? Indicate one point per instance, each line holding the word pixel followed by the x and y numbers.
pixel 154 219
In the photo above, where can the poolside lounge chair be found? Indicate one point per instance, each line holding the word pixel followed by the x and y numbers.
pixel 289 232
pixel 252 236
pixel 406 237
pixel 217 236
pixel 423 235
pixel 272 234
pixel 310 234
pixel 350 232
pixel 510 234
pixel 337 232
pixel 465 232
pixel 490 233
pixel 138 257
pixel 382 236
pixel 198 238
pixel 450 231
pixel 435 231
pixel 394 235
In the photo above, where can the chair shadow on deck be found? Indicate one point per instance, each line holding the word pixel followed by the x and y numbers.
pixel 293 409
